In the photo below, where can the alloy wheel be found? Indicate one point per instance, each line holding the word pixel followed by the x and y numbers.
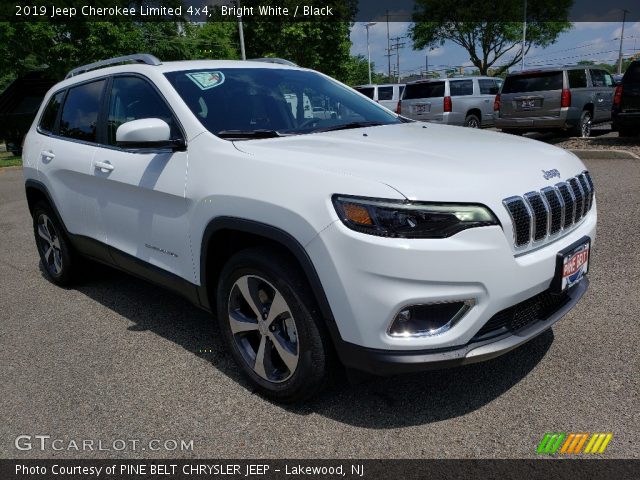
pixel 585 128
pixel 263 328
pixel 49 244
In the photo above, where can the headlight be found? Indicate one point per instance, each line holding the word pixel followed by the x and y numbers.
pixel 403 219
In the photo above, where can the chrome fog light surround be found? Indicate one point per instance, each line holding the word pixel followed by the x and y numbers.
pixel 421 320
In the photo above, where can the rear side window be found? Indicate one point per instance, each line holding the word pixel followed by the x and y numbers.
pixel 632 75
pixel 488 87
pixel 385 93
pixel 80 112
pixel 533 82
pixel 48 120
pixel 459 88
pixel 133 98
pixel 366 91
pixel 424 90
pixel 577 78
pixel 598 79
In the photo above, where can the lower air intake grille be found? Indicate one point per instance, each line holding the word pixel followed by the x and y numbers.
pixel 534 309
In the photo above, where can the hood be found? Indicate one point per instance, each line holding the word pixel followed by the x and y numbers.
pixel 427 162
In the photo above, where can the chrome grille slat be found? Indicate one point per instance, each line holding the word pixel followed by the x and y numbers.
pixel 540 215
pixel 537 216
pixel 556 209
pixel 579 194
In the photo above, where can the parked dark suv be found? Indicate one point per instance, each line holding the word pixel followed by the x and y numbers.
pixel 626 103
pixel 568 98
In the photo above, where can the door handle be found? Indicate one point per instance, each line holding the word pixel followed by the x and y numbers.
pixel 47 154
pixel 104 166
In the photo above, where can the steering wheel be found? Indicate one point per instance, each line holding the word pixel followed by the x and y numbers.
pixel 310 122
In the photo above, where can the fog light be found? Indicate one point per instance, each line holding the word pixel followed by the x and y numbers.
pixel 428 319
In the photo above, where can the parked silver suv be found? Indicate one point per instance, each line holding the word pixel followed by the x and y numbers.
pixel 464 101
pixel 568 98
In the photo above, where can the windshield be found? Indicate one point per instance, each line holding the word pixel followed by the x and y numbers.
pixel 254 102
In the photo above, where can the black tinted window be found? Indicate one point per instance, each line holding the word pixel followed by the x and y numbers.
pixel 598 78
pixel 366 91
pixel 385 93
pixel 533 82
pixel 133 98
pixel 48 121
pixel 577 78
pixel 488 87
pixel 80 112
pixel 632 75
pixel 424 90
pixel 459 88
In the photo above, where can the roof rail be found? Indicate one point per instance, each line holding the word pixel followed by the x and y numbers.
pixel 280 61
pixel 145 58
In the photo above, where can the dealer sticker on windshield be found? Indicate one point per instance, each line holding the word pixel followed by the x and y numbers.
pixel 207 80
pixel 575 266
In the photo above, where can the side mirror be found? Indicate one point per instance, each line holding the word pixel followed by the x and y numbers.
pixel 147 133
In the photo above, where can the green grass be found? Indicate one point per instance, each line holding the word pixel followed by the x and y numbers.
pixel 9 160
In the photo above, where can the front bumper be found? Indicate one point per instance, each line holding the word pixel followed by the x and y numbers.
pixel 368 280
pixel 387 362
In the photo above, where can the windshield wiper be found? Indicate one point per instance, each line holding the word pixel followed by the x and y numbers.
pixel 347 126
pixel 261 133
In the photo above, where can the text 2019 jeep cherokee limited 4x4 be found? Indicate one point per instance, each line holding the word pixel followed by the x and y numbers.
pixel 386 244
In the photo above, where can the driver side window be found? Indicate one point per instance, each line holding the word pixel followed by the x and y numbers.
pixel 132 98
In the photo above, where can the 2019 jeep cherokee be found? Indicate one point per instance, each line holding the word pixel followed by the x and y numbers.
pixel 387 244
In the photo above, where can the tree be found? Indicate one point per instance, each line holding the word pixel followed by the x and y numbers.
pixel 489 31
pixel 321 45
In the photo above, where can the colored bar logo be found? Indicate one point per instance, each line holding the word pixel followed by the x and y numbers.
pixel 573 443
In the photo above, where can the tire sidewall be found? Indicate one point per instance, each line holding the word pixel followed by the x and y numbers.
pixel 312 362
pixel 66 254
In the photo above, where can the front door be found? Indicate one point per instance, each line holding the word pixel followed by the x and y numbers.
pixel 142 191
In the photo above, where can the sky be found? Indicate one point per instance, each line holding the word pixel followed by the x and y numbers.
pixel 597 41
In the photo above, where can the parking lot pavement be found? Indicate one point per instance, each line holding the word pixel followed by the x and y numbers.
pixel 117 358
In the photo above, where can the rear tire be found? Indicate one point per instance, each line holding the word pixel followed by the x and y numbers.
pixel 472 121
pixel 60 262
pixel 583 129
pixel 286 355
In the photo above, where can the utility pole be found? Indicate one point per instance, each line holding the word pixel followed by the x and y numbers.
pixel 243 55
pixel 397 46
pixel 524 33
pixel 624 17
pixel 426 70
pixel 367 26
pixel 388 47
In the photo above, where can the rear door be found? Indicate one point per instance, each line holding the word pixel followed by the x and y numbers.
pixel 488 90
pixel 423 100
pixel 603 94
pixel 66 146
pixel 141 192
pixel 532 94
pixel 386 97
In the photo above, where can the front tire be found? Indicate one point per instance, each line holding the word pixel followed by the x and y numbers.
pixel 60 263
pixel 270 324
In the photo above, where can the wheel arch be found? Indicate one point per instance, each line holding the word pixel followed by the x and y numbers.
pixel 225 236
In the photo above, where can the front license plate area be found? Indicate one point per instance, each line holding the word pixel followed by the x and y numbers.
pixel 572 264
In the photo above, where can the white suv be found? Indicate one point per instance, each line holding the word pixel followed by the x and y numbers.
pixel 386 244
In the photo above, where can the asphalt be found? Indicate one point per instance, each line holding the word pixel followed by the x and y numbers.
pixel 118 359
